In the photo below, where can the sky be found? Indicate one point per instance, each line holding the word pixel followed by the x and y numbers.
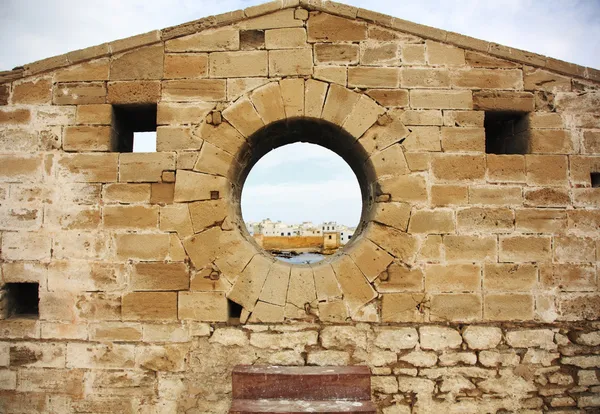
pixel 35 29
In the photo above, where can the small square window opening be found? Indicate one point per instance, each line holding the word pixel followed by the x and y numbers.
pixel 22 300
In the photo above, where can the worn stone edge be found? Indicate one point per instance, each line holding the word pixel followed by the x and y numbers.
pixel 339 9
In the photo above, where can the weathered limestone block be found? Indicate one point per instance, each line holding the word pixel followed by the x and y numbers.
pixel 406 188
pixel 379 137
pixel 505 168
pixel 267 313
pixel 170 113
pixel 343 54
pixel 213 160
pixel 482 337
pixel 38 355
pixel 332 74
pixel 63 381
pixel 488 220
pixel 26 246
pixel 152 276
pixel 268 102
pixel 462 307
pixel 131 92
pixel 455 167
pixel 373 77
pixel 343 336
pixel 503 101
pixel 185 66
pixel 37 91
pixel 333 311
pixel 326 283
pixel 370 258
pixel 324 27
pixel 397 339
pixel 150 306
pixel 170 358
pixel 291 62
pixel 192 186
pixel 509 277
pixel 398 244
pixel 238 64
pixel 146 247
pixel 144 167
pixel 94 168
pixel 292 92
pixel 385 385
pixel 328 358
pixel 393 214
pixel 450 359
pixel 244 117
pixel 420 358
pixel 79 93
pixel 301 291
pixel 288 38
pixel 142 63
pixel 248 286
pixel 434 99
pixel 203 306
pixel 287 340
pixel 314 97
pixel 495 358
pixel 452 278
pixel 470 248
pixel 431 221
pixel 496 195
pixel 364 114
pixel 279 19
pixel 403 307
pixel 226 38
pixel 438 338
pixel 100 356
pixel 357 290
pixel 115 331
pixel 193 90
pixel 499 307
pixel 229 337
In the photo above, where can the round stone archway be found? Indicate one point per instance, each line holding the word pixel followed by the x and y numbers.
pixel 352 125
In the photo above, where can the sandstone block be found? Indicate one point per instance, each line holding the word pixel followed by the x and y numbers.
pixel 424 78
pixel 79 93
pixel 192 186
pixel 15 116
pixel 573 249
pixel 268 102
pixel 438 338
pixel 328 358
pixel 89 138
pixel 176 138
pixel 301 289
pixel 342 336
pixel 343 54
pixel 537 79
pixel 364 77
pixel 391 97
pixel 420 359
pixel 434 99
pixel 213 40
pixel 143 63
pixel 248 286
pixel 126 193
pixel 369 258
pixel 400 278
pixel 464 119
pixel 252 39
pixel 193 90
pixel 324 27
pixel 393 214
pixel 503 101
pixel 591 142
pixel 488 220
pixel 384 385
pixel 506 307
pixel 186 66
pixel 442 54
pixel 64 381
pixel 100 356
pixel 160 276
pixel 289 38
pixel 95 70
pixel 80 245
pixel 38 355
pixel 95 114
pixel 146 247
pixel 463 139
pixel 423 138
pixel 540 220
pixel 132 92
pixel 364 114
pixel 332 74
pixel 26 246
pixel 182 113
pixel 445 195
pixel 522 249
pixel 380 54
pixel 413 54
pixel 333 311
pixel 279 19
pixel 326 286
pixel 149 306
pixel 314 97
pixel 487 79
pixel 144 167
pixel 402 307
pixel 20 168
pixel 455 167
pixel 288 340
pixel 339 104
pixel 38 91
pixel 431 221
pixel 405 188
pixel 495 195
pixel 243 116
pixel 506 168
pixel 290 62
pixel 470 248
pixel 267 313
pixel 238 64
pixel 482 337
pixel 397 339
pixel 292 92
pixel 115 331
pixel 397 243
pixel 357 290
pixel 508 277
pixel 568 277
pixel 203 306
pixel 531 338
pixel 452 278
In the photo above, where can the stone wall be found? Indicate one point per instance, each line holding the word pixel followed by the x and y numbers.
pixel 140 258
pixel 292 242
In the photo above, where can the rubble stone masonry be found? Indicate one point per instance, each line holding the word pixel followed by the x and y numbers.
pixel 470 286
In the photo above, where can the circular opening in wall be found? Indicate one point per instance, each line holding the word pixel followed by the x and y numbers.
pixel 304 189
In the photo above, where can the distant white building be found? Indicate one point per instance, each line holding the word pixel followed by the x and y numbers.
pixel 267 227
